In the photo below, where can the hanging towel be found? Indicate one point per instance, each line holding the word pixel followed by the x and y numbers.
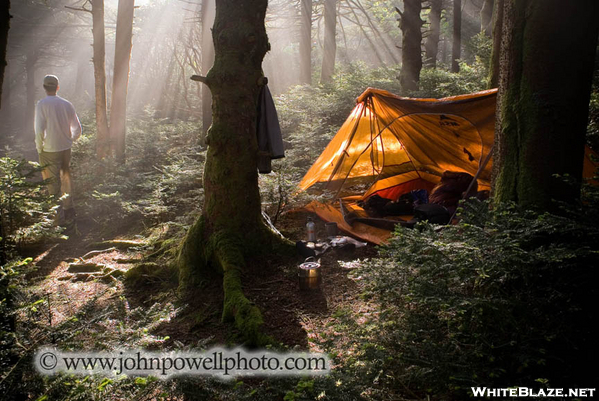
pixel 270 140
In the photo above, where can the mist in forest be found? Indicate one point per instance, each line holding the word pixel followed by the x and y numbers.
pixel 55 37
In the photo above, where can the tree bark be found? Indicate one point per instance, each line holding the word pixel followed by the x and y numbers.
pixel 548 56
pixel 207 62
pixel 305 45
pixel 411 56
pixel 431 45
pixel 122 56
pixel 99 58
pixel 330 43
pixel 230 229
pixel 497 38
pixel 456 47
pixel 486 17
pixel 6 112
pixel 4 25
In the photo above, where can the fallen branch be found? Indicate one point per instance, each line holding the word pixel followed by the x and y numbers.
pixel 97 252
pixel 118 243
pixel 85 267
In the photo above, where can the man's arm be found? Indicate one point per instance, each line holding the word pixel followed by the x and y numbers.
pixel 40 127
pixel 75 125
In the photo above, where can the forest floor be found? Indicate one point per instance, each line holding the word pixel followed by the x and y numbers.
pixel 292 316
pixel 92 311
pixel 80 295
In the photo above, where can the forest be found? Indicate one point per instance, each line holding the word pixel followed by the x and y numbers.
pixel 403 192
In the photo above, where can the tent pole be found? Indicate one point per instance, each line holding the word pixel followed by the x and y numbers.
pixel 480 168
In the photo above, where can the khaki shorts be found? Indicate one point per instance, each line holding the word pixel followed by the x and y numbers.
pixel 57 170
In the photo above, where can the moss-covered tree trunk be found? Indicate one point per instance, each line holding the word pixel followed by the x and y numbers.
pixel 411 54
pixel 547 63
pixel 456 45
pixel 230 229
pixel 431 44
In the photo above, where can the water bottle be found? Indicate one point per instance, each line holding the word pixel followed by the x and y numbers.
pixel 311 230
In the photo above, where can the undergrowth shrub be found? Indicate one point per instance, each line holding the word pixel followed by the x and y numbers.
pixel 504 298
pixel 25 208
pixel 160 180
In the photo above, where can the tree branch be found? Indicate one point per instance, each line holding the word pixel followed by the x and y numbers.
pixel 200 78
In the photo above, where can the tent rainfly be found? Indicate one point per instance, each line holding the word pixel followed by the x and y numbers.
pixel 391 141
pixel 390 145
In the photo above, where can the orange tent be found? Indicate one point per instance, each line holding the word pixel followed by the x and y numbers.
pixel 390 145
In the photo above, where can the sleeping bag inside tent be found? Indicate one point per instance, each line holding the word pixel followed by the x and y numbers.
pixel 391 145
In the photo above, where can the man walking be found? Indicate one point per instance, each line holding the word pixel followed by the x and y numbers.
pixel 56 127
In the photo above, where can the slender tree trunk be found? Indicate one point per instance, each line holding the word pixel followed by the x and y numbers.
pixel 456 48
pixel 103 139
pixel 548 56
pixel 330 42
pixel 497 38
pixel 411 55
pixel 164 106
pixel 30 63
pixel 207 62
pixel 4 24
pixel 431 45
pixel 486 17
pixel 122 55
pixel 230 228
pixel 305 46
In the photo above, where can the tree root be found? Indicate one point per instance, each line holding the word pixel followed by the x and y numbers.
pixel 237 307
pixel 225 253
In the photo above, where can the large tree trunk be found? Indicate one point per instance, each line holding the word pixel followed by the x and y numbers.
pixel 548 55
pixel 103 139
pixel 486 17
pixel 411 56
pixel 122 55
pixel 497 38
pixel 207 62
pixel 305 45
pixel 4 24
pixel 456 46
pixel 330 43
pixel 431 45
pixel 230 228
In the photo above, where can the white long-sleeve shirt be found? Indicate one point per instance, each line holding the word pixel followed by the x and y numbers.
pixel 56 124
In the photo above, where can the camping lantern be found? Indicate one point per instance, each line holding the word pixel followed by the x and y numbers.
pixel 309 274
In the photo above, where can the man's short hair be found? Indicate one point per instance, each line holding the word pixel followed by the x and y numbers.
pixel 50 83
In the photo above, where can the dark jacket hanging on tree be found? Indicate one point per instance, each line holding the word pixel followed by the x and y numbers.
pixel 270 140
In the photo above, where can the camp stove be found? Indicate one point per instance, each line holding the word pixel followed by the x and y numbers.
pixel 309 274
